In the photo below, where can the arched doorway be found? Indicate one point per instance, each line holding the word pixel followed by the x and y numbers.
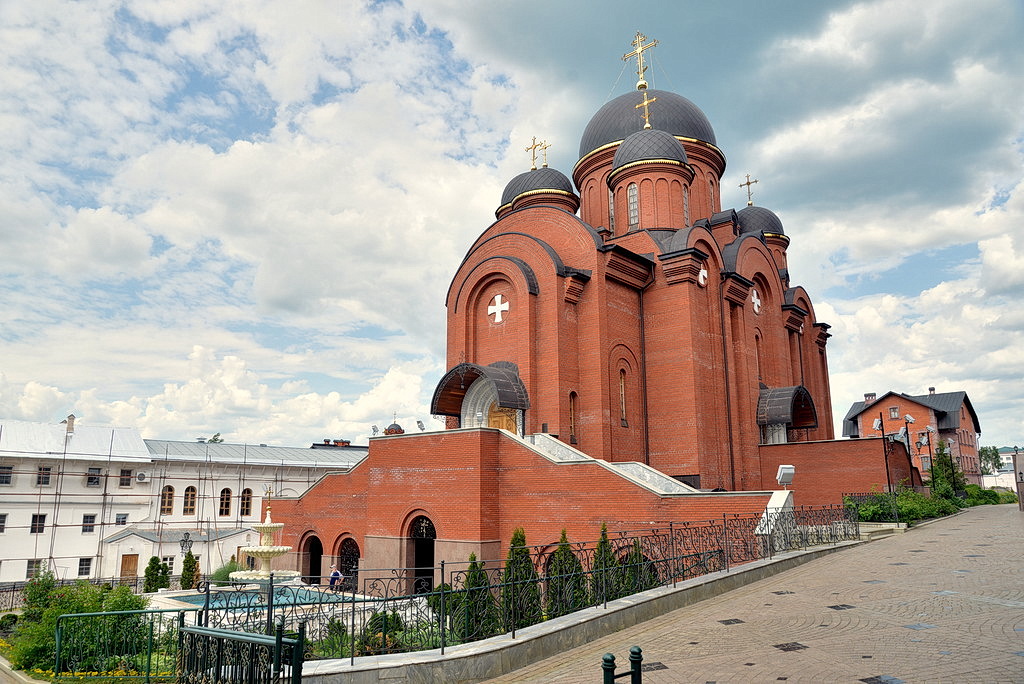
pixel 312 560
pixel 348 562
pixel 422 536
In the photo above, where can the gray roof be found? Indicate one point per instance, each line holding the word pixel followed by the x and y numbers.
pixel 619 118
pixel 754 219
pixel 544 178
pixel 252 454
pixel 649 145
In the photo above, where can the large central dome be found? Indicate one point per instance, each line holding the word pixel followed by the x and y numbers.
pixel 620 118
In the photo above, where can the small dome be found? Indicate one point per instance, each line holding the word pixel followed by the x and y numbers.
pixel 649 145
pixel 394 429
pixel 759 220
pixel 536 180
pixel 619 118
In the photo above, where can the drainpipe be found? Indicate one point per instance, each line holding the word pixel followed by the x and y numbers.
pixel 643 371
pixel 728 390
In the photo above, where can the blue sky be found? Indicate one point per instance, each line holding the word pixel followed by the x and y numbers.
pixel 243 217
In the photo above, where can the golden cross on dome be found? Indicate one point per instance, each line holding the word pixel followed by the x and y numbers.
pixel 544 150
pixel 532 149
pixel 641 84
pixel 750 202
pixel 646 104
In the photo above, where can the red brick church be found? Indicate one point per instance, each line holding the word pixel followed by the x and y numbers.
pixel 619 346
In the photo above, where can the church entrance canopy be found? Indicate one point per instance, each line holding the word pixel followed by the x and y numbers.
pixel 791 406
pixel 492 395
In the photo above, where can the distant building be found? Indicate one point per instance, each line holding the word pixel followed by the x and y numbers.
pixel 91 502
pixel 921 422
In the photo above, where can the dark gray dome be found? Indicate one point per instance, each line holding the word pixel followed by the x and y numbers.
pixel 544 178
pixel 620 118
pixel 759 220
pixel 649 144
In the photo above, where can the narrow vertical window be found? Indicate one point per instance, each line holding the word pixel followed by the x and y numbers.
pixel 711 194
pixel 245 502
pixel 84 567
pixel 611 211
pixel 572 417
pixel 125 479
pixel 88 523
pixel 92 479
pixel 225 502
pixel 622 398
pixel 38 523
pixel 167 500
pixel 188 503
pixel 686 205
pixel 633 205
pixel 43 476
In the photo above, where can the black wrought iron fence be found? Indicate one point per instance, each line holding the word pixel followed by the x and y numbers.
pixel 473 600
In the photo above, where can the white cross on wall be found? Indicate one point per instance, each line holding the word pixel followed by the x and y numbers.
pixel 497 308
pixel 756 300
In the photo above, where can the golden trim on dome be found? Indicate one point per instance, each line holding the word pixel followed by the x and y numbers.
pixel 641 162
pixel 614 143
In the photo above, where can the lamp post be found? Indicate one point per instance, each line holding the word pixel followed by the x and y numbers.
pixel 907 420
pixel 880 426
pixel 185 544
pixel 1018 476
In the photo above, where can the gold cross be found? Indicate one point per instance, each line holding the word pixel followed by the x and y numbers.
pixel 641 84
pixel 749 182
pixel 647 111
pixel 532 149
pixel 544 150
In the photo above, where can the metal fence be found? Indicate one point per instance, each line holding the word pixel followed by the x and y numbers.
pixel 390 612
pixel 12 593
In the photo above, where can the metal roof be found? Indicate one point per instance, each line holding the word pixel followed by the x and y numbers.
pixel 83 442
pixel 256 454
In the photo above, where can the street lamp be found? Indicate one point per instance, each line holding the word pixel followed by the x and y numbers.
pixel 880 426
pixel 185 543
pixel 907 421
pixel 1019 479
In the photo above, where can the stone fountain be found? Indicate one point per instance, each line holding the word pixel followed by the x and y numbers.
pixel 265 551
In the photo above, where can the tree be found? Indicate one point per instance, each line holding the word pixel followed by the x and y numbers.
pixel 216 439
pixel 189 571
pixel 475 615
pixel 567 584
pixel 990 459
pixel 639 572
pixel 157 576
pixel 520 593
pixel 606 577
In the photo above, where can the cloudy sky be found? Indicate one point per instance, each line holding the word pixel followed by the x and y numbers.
pixel 242 217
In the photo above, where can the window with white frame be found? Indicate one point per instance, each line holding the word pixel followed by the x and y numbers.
pixel 169 562
pixel 121 519
pixel 633 206
pixel 88 523
pixel 43 476
pixel 38 523
pixel 84 567
pixel 3 523
pixel 125 480
pixel 6 474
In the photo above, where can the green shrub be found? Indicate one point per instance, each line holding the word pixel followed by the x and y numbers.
pixel 221 576
pixel 1007 497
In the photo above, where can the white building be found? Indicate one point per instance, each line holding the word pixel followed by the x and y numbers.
pixel 97 502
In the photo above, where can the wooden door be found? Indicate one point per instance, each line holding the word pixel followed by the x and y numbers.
pixel 503 418
pixel 130 565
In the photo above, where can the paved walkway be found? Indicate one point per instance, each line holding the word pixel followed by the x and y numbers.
pixel 942 603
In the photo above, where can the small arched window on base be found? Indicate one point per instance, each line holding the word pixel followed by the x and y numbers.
pixel 573 397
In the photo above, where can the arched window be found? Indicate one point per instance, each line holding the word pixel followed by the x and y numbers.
pixel 245 502
pixel 633 205
pixel 167 500
pixel 686 205
pixel 188 504
pixel 225 502
pixel 572 417
pixel 711 194
pixel 611 211
pixel 622 397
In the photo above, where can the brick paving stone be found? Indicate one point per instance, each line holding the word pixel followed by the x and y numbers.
pixel 953 612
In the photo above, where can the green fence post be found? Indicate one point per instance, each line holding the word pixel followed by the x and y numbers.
pixel 298 654
pixel 636 659
pixel 57 638
pixel 149 653
pixel 608 668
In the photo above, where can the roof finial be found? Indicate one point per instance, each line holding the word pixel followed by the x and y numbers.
pixel 750 201
pixel 641 84
pixel 532 149
pixel 647 109
pixel 544 150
